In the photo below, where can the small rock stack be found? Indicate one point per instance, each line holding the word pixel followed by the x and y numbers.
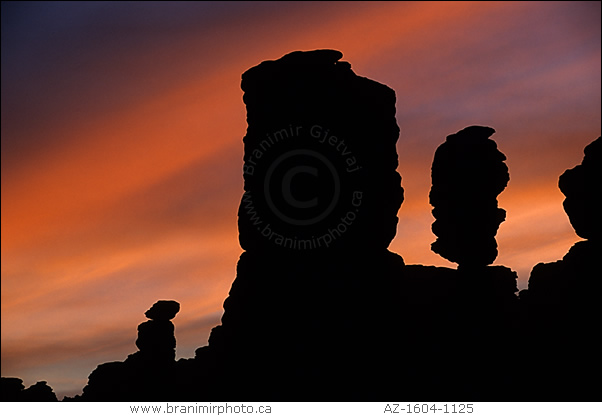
pixel 156 340
pixel 147 374
pixel 468 174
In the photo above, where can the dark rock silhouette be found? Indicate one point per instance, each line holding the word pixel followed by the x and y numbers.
pixel 462 330
pixel 462 320
pixel 40 392
pixel 562 282
pixel 13 390
pixel 163 310
pixel 325 326
pixel 582 187
pixel 467 175
pixel 320 310
pixel 156 339
pixel 563 308
pixel 319 156
pixel 319 210
pixel 146 375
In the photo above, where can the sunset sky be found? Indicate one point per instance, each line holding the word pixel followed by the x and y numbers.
pixel 122 128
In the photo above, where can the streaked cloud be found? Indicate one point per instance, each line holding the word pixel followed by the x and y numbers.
pixel 122 130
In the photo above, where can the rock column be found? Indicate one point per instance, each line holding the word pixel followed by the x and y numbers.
pixel 468 174
pixel 321 195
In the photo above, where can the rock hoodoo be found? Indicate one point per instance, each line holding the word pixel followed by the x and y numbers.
pixel 320 310
pixel 320 158
pixel 318 213
pixel 468 174
pixel 156 339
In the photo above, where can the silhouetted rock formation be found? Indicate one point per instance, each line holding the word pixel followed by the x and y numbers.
pixel 583 190
pixel 461 321
pixel 322 329
pixel 321 310
pixel 146 375
pixel 319 210
pixel 462 329
pixel 467 176
pixel 563 282
pixel 156 339
pixel 10 389
pixel 320 157
pixel 13 390
pixel 564 311
pixel 163 310
pixel 40 392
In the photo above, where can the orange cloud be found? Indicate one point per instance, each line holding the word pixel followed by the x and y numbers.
pixel 121 179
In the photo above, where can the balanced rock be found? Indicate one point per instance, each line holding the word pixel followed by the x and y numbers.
pixel 156 339
pixel 147 374
pixel 468 174
pixel 163 310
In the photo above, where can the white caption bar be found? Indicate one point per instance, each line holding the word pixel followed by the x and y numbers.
pixel 303 408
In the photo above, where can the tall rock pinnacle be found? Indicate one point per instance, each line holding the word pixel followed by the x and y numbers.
pixel 320 158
